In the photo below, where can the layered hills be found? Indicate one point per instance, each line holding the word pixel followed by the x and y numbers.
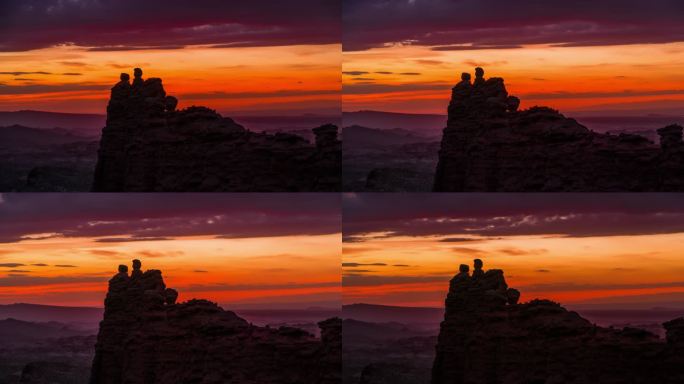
pixel 45 160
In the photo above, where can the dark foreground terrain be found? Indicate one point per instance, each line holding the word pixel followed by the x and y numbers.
pixel 45 352
pixel 146 337
pixel 388 160
pixel 385 344
pixel 490 145
pixel 46 160
pixel 386 352
pixel 488 337
pixel 148 145
pixel 49 344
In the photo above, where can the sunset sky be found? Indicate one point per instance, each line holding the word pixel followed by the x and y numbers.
pixel 617 250
pixel 256 57
pixel 573 55
pixel 240 250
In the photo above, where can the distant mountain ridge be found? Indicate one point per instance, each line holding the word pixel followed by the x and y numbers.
pixel 362 312
pixel 363 331
pixel 20 136
pixel 83 123
pixel 357 137
pixel 91 124
pixel 599 121
pixel 487 336
pixel 17 331
pixel 46 313
pixel 608 317
pixel 285 123
pixel 373 313
pixel 429 123
pixel 66 314
pixel 388 344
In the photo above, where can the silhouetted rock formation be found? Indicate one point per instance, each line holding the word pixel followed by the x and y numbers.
pixel 489 145
pixel 487 338
pixel 147 145
pixel 146 338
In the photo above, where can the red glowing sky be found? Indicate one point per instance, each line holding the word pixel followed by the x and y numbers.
pixel 259 57
pixel 252 250
pixel 579 249
pixel 404 56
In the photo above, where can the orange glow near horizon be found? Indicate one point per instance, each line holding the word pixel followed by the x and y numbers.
pixel 251 271
pixel 590 78
pixel 576 271
pixel 285 79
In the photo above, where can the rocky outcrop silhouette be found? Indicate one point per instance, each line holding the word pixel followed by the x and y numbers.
pixel 149 145
pixel 490 145
pixel 487 337
pixel 146 337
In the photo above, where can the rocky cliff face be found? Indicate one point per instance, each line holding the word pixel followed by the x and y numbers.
pixel 148 145
pixel 489 145
pixel 148 338
pixel 487 337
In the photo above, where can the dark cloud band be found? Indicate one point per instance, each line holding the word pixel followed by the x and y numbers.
pixel 151 217
pixel 495 24
pixel 166 24
pixel 459 217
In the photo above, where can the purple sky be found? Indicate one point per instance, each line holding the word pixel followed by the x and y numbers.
pixel 507 24
pixel 126 24
pixel 167 215
pixel 583 214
